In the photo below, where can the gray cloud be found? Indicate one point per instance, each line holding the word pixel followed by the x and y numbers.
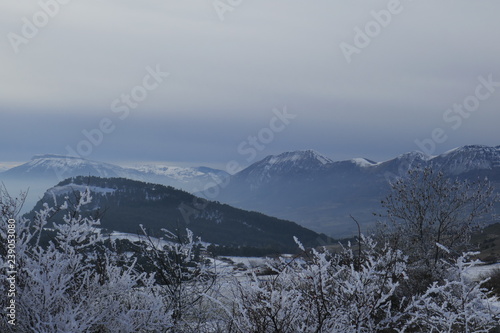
pixel 226 77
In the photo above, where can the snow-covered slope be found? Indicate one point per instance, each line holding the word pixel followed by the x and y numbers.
pixel 363 162
pixel 63 167
pixel 468 158
pixel 286 164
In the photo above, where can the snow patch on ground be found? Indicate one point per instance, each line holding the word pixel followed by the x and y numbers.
pixel 70 188
pixel 159 242
pixel 479 272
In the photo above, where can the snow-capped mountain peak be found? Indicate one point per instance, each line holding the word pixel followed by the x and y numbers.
pixel 60 166
pixel 301 159
pixel 284 164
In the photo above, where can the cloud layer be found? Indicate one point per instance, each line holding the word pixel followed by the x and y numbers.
pixel 226 77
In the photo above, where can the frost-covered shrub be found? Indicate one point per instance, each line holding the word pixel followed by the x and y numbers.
pixel 184 278
pixel 425 208
pixel 325 292
pixel 71 284
pixel 455 305
pixel 493 282
pixel 320 293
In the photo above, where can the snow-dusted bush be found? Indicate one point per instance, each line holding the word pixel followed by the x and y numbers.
pixel 426 208
pixel 457 304
pixel 184 278
pixel 325 292
pixel 69 283
pixel 320 292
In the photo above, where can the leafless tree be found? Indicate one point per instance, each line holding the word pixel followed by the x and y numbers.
pixel 426 209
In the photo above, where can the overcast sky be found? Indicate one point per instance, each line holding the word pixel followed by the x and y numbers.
pixel 233 66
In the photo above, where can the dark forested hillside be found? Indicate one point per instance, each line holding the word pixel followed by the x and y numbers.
pixel 124 204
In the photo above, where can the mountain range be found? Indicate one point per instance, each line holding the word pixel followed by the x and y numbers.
pixel 44 171
pixel 321 194
pixel 58 167
pixel 302 186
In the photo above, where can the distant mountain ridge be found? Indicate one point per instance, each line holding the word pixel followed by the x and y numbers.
pixel 320 193
pixel 54 166
pixel 61 167
pixel 43 171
